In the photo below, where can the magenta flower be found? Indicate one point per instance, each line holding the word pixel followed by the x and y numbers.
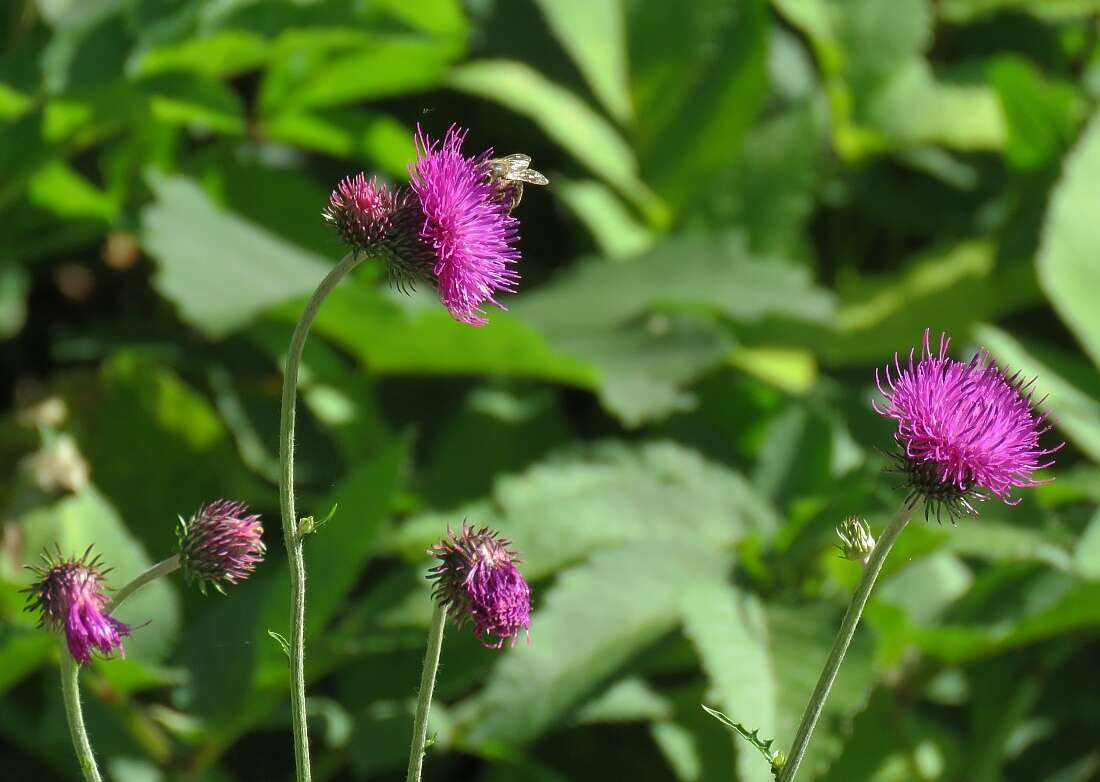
pixel 221 544
pixel 964 429
pixel 70 599
pixel 466 223
pixel 478 580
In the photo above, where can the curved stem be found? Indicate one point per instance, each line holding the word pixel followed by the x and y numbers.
pixel 424 698
pixel 291 538
pixel 844 637
pixel 162 568
pixel 70 693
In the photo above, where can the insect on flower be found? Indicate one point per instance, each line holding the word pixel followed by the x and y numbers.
pixel 509 173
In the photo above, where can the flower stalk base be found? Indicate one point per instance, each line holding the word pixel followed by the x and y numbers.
pixel 424 697
pixel 70 693
pixel 844 637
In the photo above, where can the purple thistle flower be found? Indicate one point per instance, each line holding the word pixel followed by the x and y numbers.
pixel 963 428
pixel 374 219
pixel 466 223
pixel 477 580
pixel 69 596
pixel 221 543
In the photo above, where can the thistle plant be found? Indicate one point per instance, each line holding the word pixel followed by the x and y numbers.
pixel 70 599
pixel 476 581
pixel 220 544
pixel 451 229
pixel 965 432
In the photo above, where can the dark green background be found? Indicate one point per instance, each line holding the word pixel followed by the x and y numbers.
pixel 752 205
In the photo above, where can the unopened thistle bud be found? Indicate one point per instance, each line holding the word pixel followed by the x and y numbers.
pixel 70 599
pixel 856 540
pixel 965 430
pixel 383 222
pixel 221 544
pixel 477 580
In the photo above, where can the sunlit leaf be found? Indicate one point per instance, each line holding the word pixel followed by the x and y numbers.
pixel 592 32
pixel 1068 270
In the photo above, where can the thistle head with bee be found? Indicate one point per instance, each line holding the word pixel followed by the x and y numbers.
pixel 452 227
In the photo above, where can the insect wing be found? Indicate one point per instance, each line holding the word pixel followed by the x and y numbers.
pixel 530 176
pixel 516 161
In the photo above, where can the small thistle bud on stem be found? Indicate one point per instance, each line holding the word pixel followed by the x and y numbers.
pixel 856 540
pixel 220 544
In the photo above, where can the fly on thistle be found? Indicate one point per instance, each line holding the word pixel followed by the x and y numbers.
pixel 509 173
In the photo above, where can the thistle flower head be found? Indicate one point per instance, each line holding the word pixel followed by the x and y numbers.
pixel 69 598
pixel 466 223
pixel 220 544
pixel 965 429
pixel 477 580
pixel 375 219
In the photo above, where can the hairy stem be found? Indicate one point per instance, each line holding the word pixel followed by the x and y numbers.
pixel 291 537
pixel 162 568
pixel 70 692
pixel 844 637
pixel 424 698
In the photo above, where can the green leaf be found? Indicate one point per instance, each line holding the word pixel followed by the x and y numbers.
pixel 773 757
pixel 564 117
pixel 1086 557
pixel 1068 270
pixel 715 272
pixel 512 427
pixel 194 101
pixel 1041 114
pixel 729 629
pixel 763 664
pixel 693 108
pixel 217 268
pixel 595 619
pixel 14 284
pixel 587 499
pixel 949 287
pixel 769 191
pixel 914 107
pixel 967 10
pixel 1009 609
pixel 348 133
pixel 395 335
pixel 177 450
pixel 591 31
pixel 1077 414
pixel 88 519
pixel 629 700
pixel 878 39
pixel 645 368
pixel 219 54
pixel 349 66
pixel 82 200
pixel 615 230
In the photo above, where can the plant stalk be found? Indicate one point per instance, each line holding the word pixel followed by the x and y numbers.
pixel 70 693
pixel 427 688
pixel 162 568
pixel 844 637
pixel 291 537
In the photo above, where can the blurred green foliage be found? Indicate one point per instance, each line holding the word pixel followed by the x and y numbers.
pixel 753 204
